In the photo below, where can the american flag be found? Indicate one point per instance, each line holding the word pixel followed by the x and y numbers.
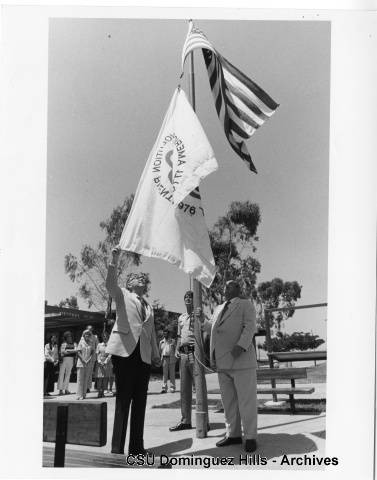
pixel 242 106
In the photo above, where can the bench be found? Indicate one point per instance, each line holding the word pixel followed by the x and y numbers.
pixel 78 423
pixel 291 374
pixel 298 356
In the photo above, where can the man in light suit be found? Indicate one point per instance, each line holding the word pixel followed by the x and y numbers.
pixel 133 347
pixel 232 354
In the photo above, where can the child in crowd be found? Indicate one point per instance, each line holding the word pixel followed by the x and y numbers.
pixel 168 359
pixel 111 378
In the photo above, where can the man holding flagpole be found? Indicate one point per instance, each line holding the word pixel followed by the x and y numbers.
pixel 133 347
pixel 185 350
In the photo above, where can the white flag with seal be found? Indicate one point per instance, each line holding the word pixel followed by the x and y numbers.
pixel 167 219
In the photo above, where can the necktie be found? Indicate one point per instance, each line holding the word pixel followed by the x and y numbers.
pixel 143 309
pixel 224 309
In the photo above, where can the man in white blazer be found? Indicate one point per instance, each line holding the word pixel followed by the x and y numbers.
pixel 232 354
pixel 133 347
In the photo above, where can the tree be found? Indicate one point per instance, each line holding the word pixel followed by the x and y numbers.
pixel 89 269
pixel 70 302
pixel 233 239
pixel 284 342
pixel 276 294
pixel 164 320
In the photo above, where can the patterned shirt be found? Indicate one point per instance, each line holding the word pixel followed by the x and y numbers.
pixel 167 347
pixel 51 353
pixel 68 346
pixel 86 350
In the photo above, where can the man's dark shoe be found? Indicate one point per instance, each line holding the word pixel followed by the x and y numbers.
pixel 117 452
pixel 181 426
pixel 224 442
pixel 250 445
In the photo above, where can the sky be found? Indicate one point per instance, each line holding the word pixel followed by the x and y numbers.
pixel 110 83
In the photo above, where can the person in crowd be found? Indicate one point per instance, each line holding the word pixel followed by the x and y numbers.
pixel 92 365
pixel 103 365
pixel 133 347
pixel 232 354
pixel 168 359
pixel 85 353
pixel 185 351
pixel 111 382
pixel 68 350
pixel 51 360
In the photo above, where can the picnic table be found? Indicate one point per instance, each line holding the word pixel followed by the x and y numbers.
pixel 291 357
pixel 292 374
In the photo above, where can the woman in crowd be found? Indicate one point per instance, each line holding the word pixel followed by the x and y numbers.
pixel 92 366
pixel 168 359
pixel 103 365
pixel 68 351
pixel 51 356
pixel 85 352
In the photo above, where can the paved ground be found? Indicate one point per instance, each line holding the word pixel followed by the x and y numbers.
pixel 278 434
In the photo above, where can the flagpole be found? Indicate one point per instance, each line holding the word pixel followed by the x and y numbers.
pixel 199 376
pixel 192 82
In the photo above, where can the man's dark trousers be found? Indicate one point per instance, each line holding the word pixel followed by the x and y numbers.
pixel 131 377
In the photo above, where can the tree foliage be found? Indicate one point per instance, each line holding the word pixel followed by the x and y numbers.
pixel 88 270
pixel 284 342
pixel 276 294
pixel 69 302
pixel 164 320
pixel 233 239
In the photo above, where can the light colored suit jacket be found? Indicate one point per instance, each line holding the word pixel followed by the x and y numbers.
pixel 129 326
pixel 236 327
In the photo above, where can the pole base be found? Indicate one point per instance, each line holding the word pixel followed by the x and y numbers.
pixel 201 424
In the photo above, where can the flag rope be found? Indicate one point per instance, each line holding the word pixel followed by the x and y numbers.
pixel 204 366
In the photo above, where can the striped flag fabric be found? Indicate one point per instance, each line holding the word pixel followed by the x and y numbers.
pixel 242 106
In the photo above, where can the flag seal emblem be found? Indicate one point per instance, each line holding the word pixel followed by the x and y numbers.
pixel 168 168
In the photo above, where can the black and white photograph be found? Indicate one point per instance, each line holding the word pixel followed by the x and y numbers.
pixel 185 313
pixel 157 119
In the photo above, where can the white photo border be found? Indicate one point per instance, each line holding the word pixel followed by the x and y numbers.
pixel 352 234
